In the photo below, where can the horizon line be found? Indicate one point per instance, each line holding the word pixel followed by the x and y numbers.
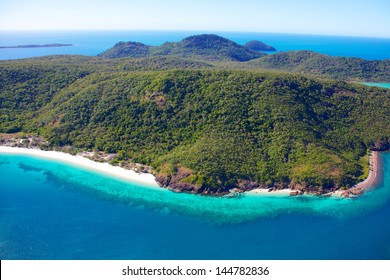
pixel 189 30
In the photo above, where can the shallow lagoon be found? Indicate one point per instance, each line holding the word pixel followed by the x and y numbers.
pixel 382 85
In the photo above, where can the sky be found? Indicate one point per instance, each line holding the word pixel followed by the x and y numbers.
pixel 367 18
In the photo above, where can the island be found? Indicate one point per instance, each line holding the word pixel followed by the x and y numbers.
pixel 206 115
pixel 259 46
pixel 204 47
pixel 36 46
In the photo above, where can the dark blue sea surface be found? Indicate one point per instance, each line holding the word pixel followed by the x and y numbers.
pixel 53 210
pixel 95 42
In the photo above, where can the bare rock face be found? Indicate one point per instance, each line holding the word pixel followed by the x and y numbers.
pixel 184 187
pixel 356 191
pixel 352 192
pixel 345 194
pixel 163 180
pixel 246 185
pixel 173 182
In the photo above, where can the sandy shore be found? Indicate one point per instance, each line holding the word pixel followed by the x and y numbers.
pixel 375 175
pixel 265 192
pixel 106 168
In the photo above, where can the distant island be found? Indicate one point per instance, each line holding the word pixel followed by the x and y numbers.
pixel 36 46
pixel 206 47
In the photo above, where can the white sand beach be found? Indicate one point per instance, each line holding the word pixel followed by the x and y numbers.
pixel 265 192
pixel 106 168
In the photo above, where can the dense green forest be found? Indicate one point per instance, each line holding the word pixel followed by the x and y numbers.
pixel 341 68
pixel 207 126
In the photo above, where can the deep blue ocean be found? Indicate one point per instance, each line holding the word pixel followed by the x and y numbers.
pixel 95 42
pixel 52 210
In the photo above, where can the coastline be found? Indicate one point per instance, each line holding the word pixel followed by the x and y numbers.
pixel 375 175
pixel 79 160
pixel 374 178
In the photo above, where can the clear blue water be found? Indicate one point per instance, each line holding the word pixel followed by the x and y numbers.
pixel 382 85
pixel 95 42
pixel 52 210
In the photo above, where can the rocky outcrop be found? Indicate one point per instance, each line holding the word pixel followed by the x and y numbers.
pixel 246 185
pixel 174 182
pixel 23 141
pixel 295 193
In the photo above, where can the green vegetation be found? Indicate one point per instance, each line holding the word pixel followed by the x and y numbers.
pixel 127 49
pixel 213 50
pixel 205 47
pixel 26 87
pixel 341 68
pixel 203 126
pixel 259 46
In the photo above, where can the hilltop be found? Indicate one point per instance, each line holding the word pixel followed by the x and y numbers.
pixel 205 47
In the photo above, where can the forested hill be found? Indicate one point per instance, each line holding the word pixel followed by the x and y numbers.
pixel 341 68
pixel 206 47
pixel 202 131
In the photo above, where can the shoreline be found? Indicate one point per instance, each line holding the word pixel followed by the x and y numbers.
pixel 79 160
pixel 375 175
pixel 266 192
pixel 374 178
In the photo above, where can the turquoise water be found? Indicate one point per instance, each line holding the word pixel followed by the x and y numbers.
pixel 95 42
pixel 383 85
pixel 52 210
